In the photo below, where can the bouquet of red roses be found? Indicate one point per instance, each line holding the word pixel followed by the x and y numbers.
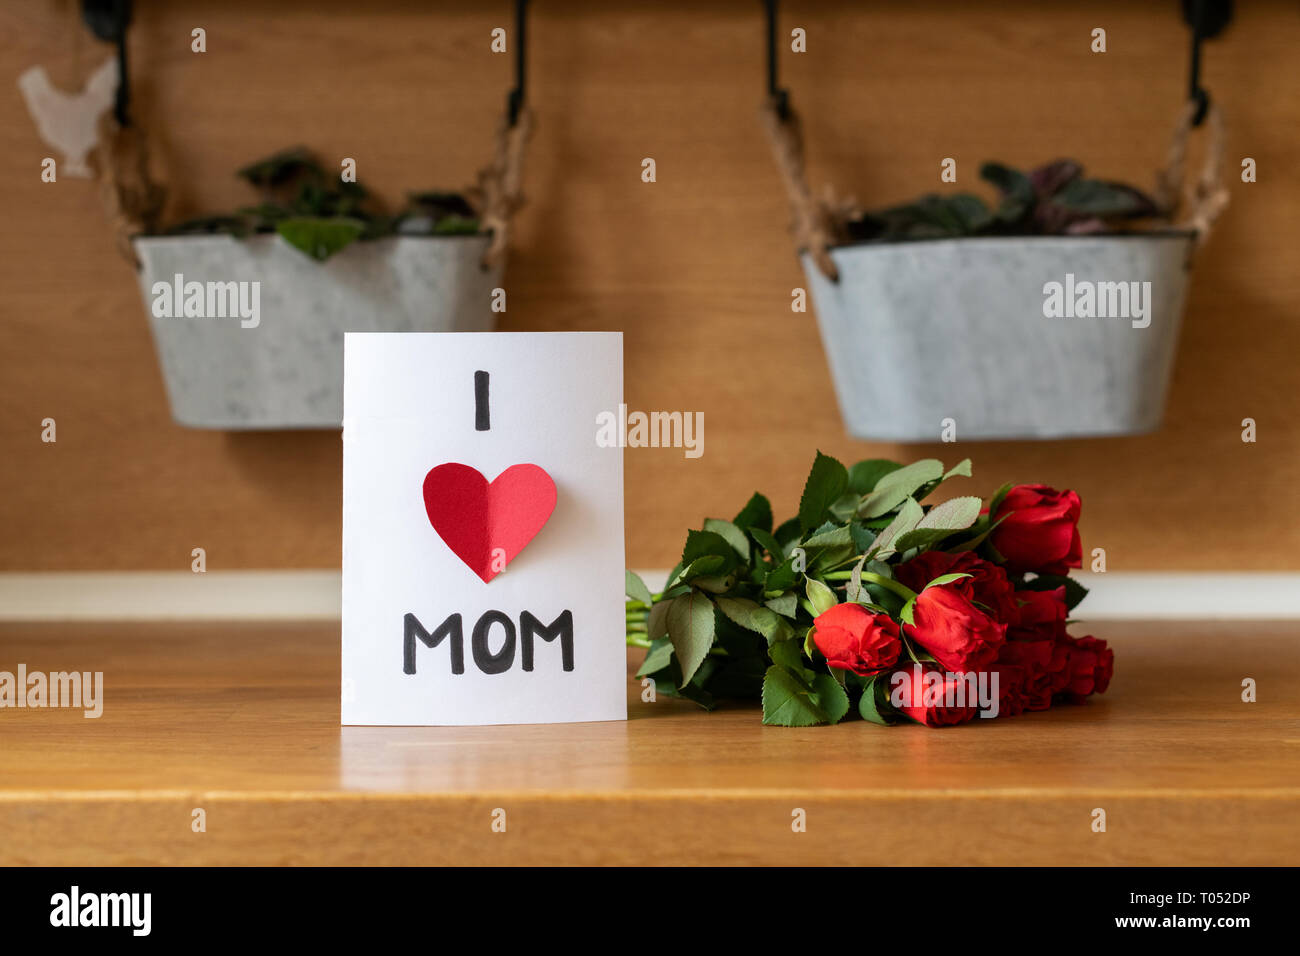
pixel 870 599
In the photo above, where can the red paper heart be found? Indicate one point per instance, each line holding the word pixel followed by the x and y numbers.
pixel 476 518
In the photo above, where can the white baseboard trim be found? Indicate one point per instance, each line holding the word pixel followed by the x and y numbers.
pixel 315 595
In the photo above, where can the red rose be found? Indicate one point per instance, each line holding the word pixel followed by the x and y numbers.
pixel 1011 689
pixel 1041 616
pixel 1040 531
pixel 947 623
pixel 932 697
pixel 1045 665
pixel 854 639
pixel 1091 665
pixel 989 584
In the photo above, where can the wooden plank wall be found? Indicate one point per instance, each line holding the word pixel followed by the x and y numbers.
pixel 696 269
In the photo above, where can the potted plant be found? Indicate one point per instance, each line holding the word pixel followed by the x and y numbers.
pixel 1052 313
pixel 248 309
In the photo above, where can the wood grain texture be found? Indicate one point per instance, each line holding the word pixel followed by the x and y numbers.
pixel 242 721
pixel 696 269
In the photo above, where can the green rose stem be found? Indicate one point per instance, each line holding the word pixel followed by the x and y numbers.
pixel 907 594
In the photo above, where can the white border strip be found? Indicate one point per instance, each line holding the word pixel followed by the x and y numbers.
pixel 315 595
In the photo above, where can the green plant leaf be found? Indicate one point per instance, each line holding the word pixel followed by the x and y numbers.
pixel 757 513
pixel 707 544
pixel 789 656
pixel 781 577
pixel 897 486
pixel 690 628
pixel 864 475
pixel 319 237
pixel 788 531
pixel 635 588
pixel 768 543
pixel 1017 190
pixel 791 701
pixel 282 168
pixel 996 501
pixel 953 515
pixel 947 579
pixel 874 704
pixel 786 604
pixel 826 482
pixel 756 618
pixel 729 533
pixel 656 622
pixel 657 657
pixel 908 517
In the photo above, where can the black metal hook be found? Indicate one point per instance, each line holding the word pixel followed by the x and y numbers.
pixel 780 98
pixel 108 20
pixel 515 99
pixel 1207 18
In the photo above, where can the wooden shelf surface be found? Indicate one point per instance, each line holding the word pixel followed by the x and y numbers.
pixel 241 721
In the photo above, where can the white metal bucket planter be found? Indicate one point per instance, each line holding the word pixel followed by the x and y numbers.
pixel 919 334
pixel 286 371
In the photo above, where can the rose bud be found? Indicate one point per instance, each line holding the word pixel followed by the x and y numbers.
pixel 854 639
pixel 1039 531
pixel 988 582
pixel 926 700
pixel 1091 665
pixel 959 635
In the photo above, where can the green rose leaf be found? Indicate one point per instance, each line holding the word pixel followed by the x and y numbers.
pixel 657 657
pixel 947 579
pixel 690 628
pixel 897 486
pixel 788 655
pixel 755 617
pixel 956 514
pixel 729 533
pixel 757 513
pixel 864 475
pixel 782 577
pixel 656 624
pixel 874 704
pixel 785 604
pixel 636 589
pixel 768 543
pixel 996 501
pixel 909 516
pixel 788 531
pixel 791 700
pixel 701 544
pixel 826 482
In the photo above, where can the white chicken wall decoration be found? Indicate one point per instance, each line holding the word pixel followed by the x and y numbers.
pixel 69 121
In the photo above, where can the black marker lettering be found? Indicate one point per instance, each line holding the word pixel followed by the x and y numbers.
pixel 451 627
pixel 482 414
pixel 561 627
pixel 488 662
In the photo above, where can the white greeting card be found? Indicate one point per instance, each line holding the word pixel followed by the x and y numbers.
pixel 482 529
